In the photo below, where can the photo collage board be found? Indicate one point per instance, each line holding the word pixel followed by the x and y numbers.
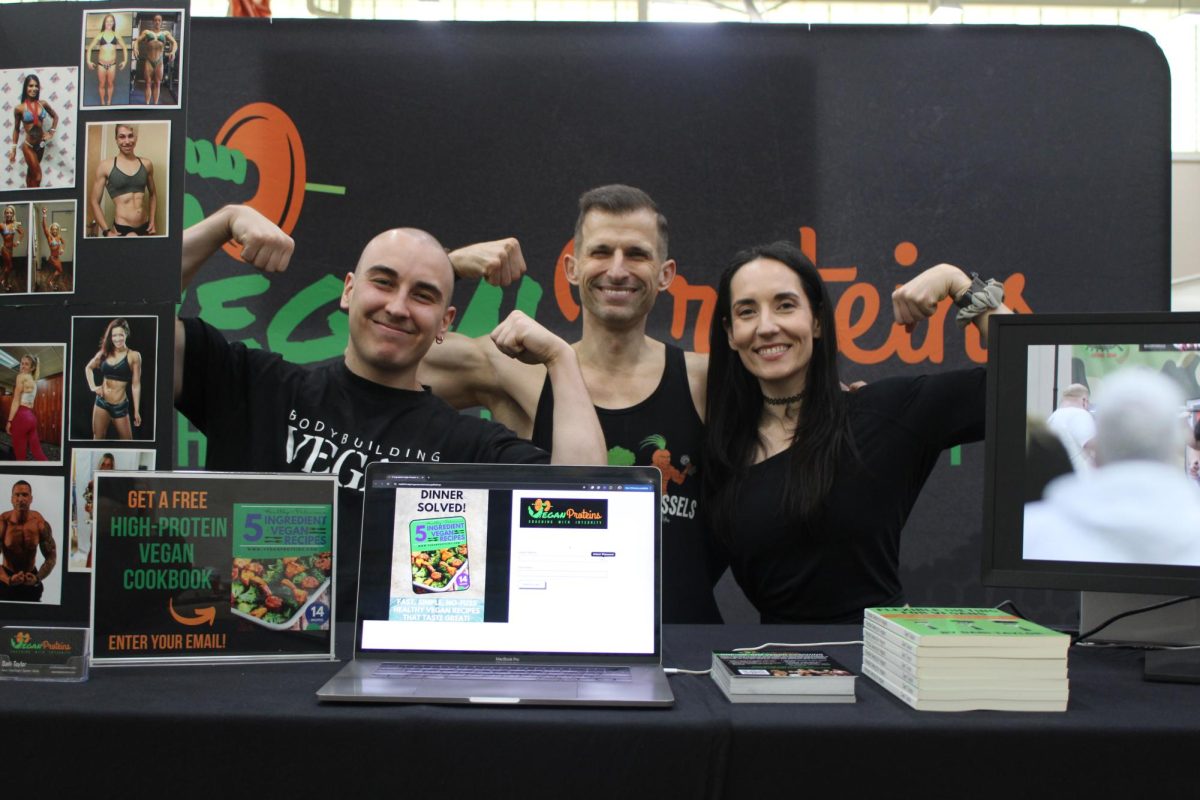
pixel 91 211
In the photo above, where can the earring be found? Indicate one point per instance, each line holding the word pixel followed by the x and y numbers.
pixel 439 339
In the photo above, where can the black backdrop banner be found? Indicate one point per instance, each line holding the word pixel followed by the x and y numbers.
pixel 1038 155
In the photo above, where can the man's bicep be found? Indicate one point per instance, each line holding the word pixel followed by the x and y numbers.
pixel 458 371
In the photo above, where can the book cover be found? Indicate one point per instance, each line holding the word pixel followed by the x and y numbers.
pixel 966 627
pixel 784 672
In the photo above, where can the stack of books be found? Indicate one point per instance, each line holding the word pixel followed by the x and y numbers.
pixel 965 659
pixel 782 676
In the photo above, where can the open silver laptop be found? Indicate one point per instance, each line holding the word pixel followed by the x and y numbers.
pixel 507 584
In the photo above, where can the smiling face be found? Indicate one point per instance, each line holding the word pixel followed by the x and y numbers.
pixel 10 214
pixel 771 325
pixel 118 336
pixel 33 88
pixel 618 266
pixel 55 230
pixel 398 299
pixel 126 140
pixel 26 367
pixel 109 23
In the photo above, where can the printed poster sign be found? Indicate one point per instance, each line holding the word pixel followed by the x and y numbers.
pixel 212 567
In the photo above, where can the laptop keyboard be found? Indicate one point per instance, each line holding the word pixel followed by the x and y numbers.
pixel 502 672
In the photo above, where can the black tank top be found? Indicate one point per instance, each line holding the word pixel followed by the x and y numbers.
pixel 662 431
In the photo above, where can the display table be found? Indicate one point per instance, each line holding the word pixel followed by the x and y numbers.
pixel 258 732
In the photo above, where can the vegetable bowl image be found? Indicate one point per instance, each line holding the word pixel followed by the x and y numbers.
pixel 274 592
pixel 442 569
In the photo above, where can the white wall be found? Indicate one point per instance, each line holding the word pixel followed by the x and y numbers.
pixel 1185 233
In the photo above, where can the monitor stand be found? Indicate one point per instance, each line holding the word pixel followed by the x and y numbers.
pixel 1174 625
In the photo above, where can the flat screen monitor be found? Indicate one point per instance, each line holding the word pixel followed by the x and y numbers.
pixel 1032 360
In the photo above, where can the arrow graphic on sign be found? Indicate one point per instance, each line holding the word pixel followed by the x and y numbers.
pixel 203 615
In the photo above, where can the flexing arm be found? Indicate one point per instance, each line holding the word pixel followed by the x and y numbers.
pixel 263 244
pixel 135 386
pixel 45 227
pixel 468 372
pixel 919 298
pixel 499 262
pixel 174 46
pixel 577 435
pixel 97 193
pixel 151 195
pixel 49 551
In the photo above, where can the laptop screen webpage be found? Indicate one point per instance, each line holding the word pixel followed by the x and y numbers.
pixel 509 559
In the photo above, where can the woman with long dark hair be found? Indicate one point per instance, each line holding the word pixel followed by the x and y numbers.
pixel 809 486
pixel 107 40
pixel 121 382
pixel 22 421
pixel 30 115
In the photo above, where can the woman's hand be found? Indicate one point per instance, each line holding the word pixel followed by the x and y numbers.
pixel 918 299
pixel 137 419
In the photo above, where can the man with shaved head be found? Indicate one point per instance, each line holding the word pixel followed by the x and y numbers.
pixel 262 413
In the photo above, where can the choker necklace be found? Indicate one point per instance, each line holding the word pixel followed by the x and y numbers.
pixel 783 401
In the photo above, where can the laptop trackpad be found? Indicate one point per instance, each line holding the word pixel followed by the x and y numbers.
pixel 499 691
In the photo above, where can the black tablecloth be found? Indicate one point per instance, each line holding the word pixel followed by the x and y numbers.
pixel 257 731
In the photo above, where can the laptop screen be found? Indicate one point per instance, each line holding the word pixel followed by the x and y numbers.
pixel 484 558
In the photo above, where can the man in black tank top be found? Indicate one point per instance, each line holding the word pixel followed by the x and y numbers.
pixel 129 180
pixel 649 395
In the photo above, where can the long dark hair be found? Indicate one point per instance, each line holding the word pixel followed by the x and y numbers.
pixel 106 343
pixel 735 401
pixel 104 23
pixel 25 87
